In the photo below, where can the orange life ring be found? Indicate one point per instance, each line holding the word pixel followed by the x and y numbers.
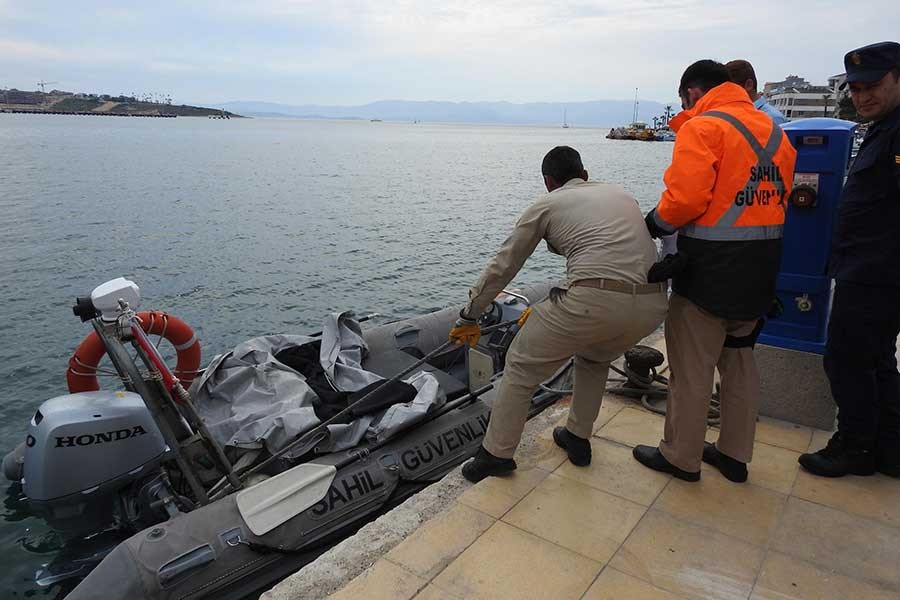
pixel 81 376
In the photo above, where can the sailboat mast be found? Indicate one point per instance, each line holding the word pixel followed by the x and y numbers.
pixel 634 116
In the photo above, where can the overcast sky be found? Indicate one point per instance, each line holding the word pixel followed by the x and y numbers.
pixel 357 51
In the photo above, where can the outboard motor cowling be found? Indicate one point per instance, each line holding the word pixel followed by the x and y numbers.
pixel 81 449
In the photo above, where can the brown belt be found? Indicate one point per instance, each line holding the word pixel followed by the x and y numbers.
pixel 620 286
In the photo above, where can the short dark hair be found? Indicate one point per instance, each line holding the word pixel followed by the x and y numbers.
pixel 740 71
pixel 562 164
pixel 703 74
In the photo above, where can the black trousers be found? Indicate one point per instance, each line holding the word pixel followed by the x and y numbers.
pixel 861 365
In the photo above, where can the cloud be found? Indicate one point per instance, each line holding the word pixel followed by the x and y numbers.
pixel 25 50
pixel 171 67
pixel 361 50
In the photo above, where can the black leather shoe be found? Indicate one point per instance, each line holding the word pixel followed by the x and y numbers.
pixel 486 464
pixel 653 458
pixel 733 470
pixel 578 449
pixel 840 457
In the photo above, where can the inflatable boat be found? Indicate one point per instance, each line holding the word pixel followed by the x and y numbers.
pixel 216 482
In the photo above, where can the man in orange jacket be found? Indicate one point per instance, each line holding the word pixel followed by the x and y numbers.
pixel 726 189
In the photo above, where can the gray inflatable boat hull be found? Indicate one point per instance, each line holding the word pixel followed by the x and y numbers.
pixel 211 553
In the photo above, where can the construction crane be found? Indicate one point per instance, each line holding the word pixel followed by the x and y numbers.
pixel 41 84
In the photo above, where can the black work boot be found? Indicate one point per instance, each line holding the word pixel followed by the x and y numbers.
pixel 486 464
pixel 887 461
pixel 889 468
pixel 653 458
pixel 840 457
pixel 578 449
pixel 733 469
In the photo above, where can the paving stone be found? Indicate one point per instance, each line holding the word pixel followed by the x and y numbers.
pixel 610 408
pixel 614 470
pixel 433 592
pixel 876 497
pixel 783 434
pixel 436 543
pixel 632 427
pixel 819 440
pixel 744 511
pixel 576 516
pixel 615 585
pixel 786 578
pixel 831 539
pixel 382 581
pixel 507 562
pixel 773 468
pixel 689 561
pixel 496 495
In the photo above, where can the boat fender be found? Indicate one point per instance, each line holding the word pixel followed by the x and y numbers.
pixel 81 376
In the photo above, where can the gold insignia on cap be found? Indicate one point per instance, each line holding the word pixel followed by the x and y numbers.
pixel 897 159
pixel 855 58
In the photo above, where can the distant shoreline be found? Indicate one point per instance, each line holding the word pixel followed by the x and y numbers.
pixel 58 102
pixel 82 113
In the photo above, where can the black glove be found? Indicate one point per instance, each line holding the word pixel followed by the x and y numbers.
pixel 655 230
pixel 776 310
pixel 671 265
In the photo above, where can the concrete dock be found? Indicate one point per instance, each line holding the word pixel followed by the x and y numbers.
pixel 616 530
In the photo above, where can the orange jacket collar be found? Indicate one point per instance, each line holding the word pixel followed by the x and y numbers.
pixel 725 93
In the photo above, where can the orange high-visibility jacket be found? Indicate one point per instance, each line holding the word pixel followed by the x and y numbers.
pixel 731 171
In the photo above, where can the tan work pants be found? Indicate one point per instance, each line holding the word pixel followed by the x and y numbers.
pixel 694 343
pixel 595 326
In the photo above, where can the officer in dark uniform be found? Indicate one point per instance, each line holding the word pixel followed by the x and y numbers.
pixel 865 262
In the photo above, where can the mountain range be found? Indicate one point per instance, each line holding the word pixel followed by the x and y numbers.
pixel 597 113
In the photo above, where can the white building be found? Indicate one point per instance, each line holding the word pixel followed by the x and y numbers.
pixel 802 103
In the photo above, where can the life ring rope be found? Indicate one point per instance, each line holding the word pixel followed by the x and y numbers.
pixel 94 370
pixel 83 369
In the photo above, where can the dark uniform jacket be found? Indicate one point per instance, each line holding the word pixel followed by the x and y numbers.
pixel 866 244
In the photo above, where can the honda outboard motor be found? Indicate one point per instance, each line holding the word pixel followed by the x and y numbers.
pixel 80 452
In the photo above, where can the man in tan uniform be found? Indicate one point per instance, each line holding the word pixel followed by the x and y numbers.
pixel 603 308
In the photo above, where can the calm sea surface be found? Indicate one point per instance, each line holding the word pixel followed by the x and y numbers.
pixel 248 227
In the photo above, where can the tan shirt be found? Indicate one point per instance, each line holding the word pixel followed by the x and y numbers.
pixel 597 226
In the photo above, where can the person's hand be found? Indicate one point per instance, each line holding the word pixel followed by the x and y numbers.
pixel 465 331
pixel 524 316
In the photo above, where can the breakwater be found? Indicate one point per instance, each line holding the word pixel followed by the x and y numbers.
pixel 23 111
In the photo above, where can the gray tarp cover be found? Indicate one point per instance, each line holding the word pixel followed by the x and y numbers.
pixel 250 400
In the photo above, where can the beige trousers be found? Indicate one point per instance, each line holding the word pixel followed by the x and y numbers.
pixel 694 343
pixel 595 326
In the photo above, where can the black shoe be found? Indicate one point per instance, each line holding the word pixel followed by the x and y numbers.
pixel 733 470
pixel 839 458
pixel 578 449
pixel 887 459
pixel 486 464
pixel 653 458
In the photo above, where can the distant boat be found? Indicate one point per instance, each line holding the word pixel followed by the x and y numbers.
pixel 375 120
pixel 565 125
pixel 636 131
pixel 664 134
